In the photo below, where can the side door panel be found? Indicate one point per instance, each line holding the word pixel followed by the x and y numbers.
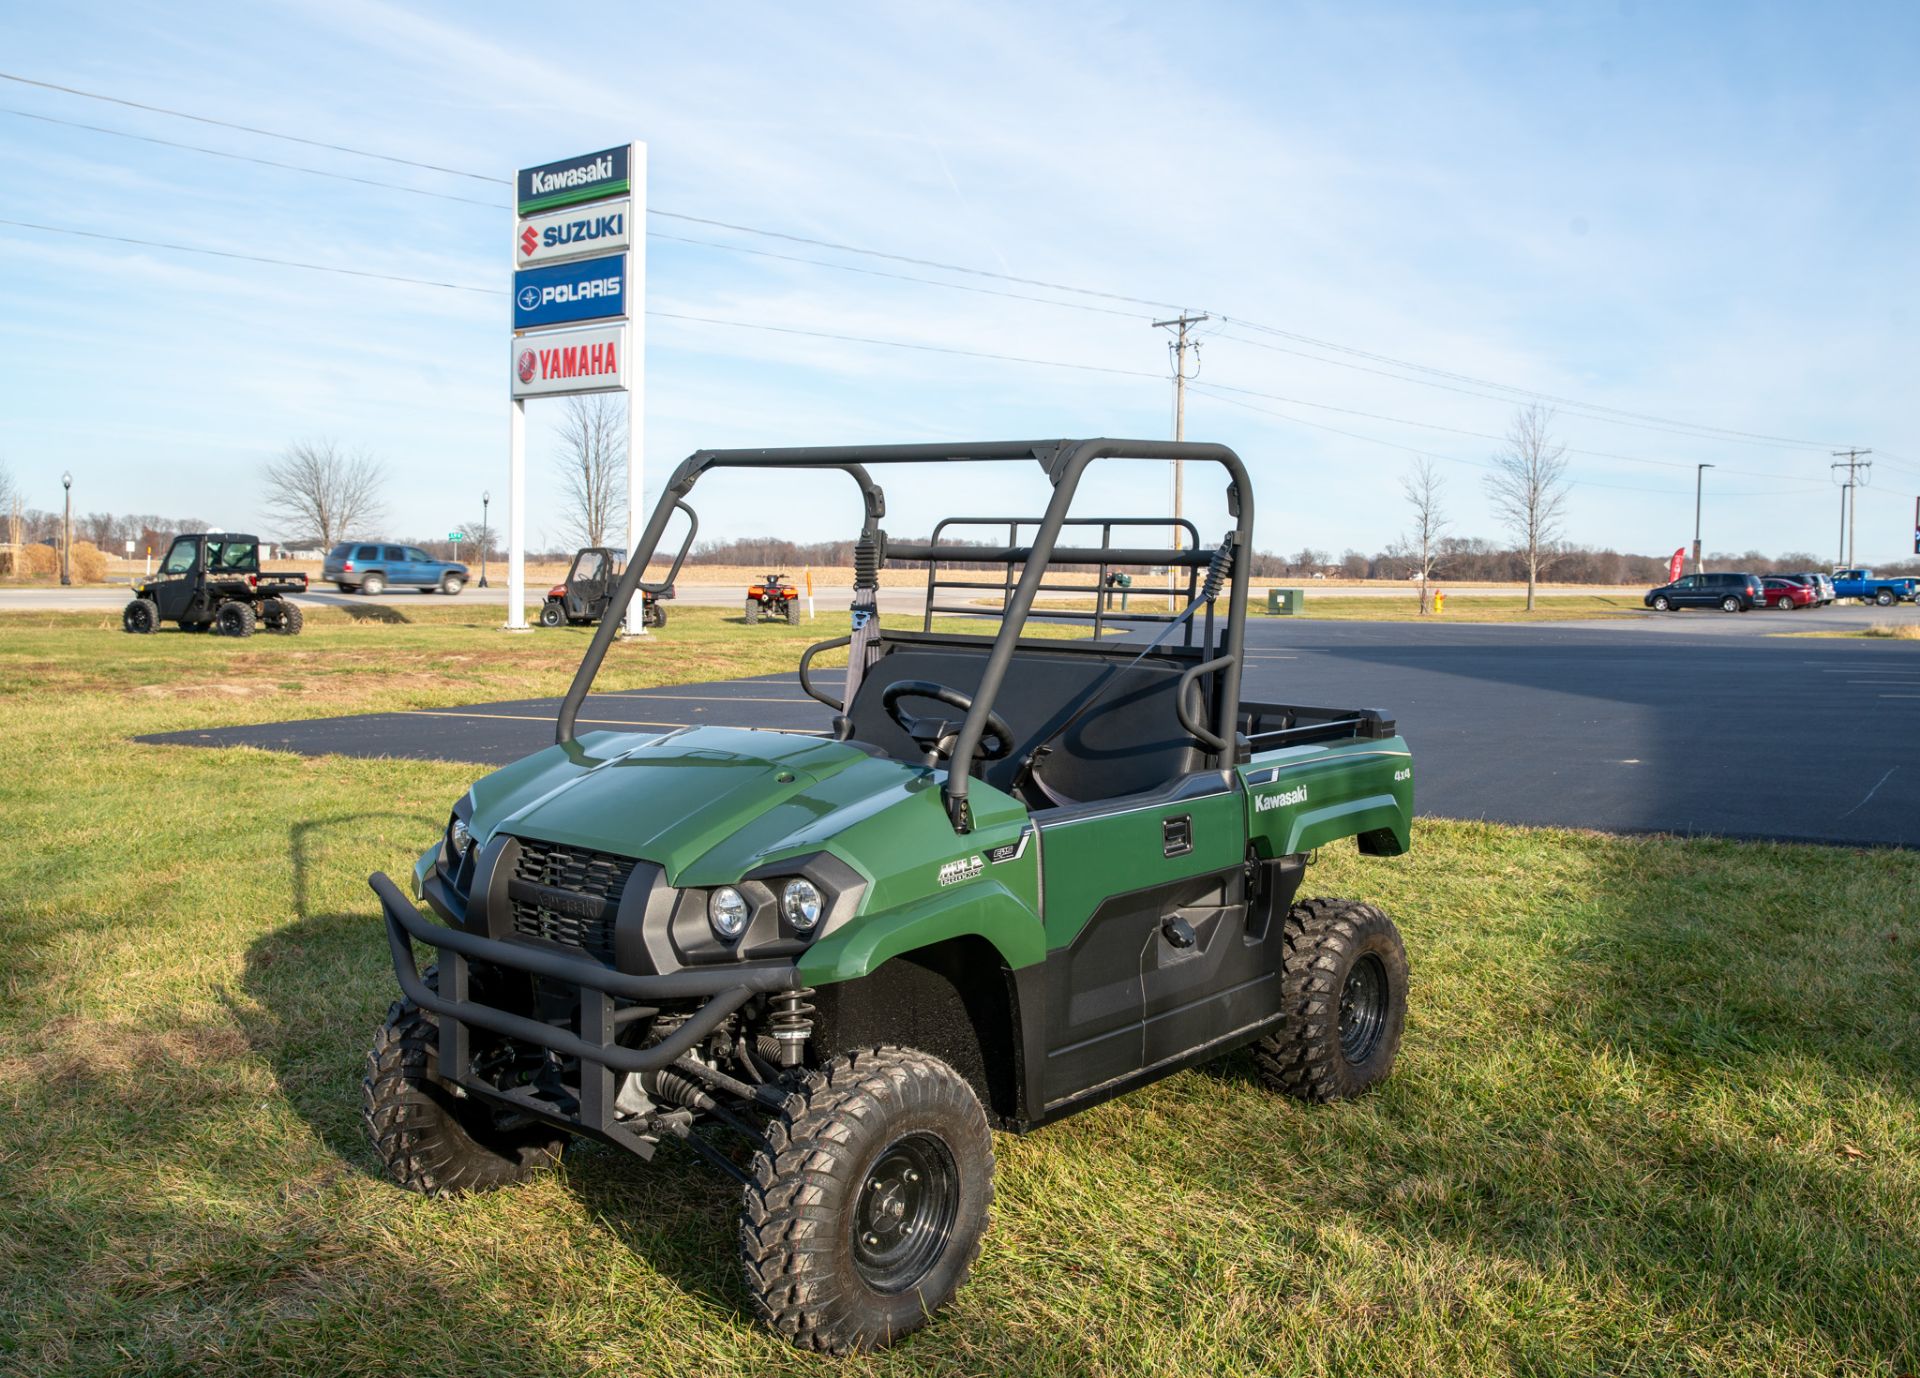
pixel 1112 877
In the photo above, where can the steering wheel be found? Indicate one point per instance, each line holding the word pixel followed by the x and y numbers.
pixel 938 736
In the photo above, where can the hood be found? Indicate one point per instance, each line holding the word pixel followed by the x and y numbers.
pixel 707 804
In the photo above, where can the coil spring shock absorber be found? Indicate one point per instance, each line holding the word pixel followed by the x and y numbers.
pixel 791 1023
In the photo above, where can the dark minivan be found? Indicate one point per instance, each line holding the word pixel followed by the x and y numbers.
pixel 372 568
pixel 1728 592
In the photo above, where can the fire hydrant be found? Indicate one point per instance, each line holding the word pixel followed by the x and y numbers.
pixel 1439 601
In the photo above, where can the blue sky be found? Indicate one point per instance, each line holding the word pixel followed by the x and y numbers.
pixel 1703 213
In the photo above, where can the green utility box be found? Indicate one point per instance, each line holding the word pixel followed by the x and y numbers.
pixel 1285 602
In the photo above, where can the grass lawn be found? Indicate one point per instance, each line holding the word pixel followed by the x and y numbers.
pixel 1655 1111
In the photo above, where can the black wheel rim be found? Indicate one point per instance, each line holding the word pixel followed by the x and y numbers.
pixel 1363 1008
pixel 903 1218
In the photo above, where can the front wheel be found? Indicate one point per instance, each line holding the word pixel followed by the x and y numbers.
pixel 552 615
pixel 141 617
pixel 1344 998
pixel 452 584
pixel 1661 605
pixel 865 1212
pixel 753 611
pixel 429 1136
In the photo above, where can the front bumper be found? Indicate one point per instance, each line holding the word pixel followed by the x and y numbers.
pixel 594 1040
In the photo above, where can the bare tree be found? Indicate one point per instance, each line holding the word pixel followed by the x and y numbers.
pixel 321 493
pixel 1421 546
pixel 592 462
pixel 1528 488
pixel 1310 559
pixel 485 539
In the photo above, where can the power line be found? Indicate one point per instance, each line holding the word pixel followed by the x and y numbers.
pixel 250 258
pixel 249 129
pixel 1477 435
pixel 260 162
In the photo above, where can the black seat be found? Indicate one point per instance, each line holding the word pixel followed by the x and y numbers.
pixel 1129 740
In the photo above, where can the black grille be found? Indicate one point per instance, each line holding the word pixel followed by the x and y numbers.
pixel 562 895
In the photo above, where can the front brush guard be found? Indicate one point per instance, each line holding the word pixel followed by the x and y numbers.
pixel 595 1039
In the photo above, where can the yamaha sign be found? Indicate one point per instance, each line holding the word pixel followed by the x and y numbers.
pixel 573 180
pixel 572 233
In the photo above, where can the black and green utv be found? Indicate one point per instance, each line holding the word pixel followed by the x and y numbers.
pixel 1011 877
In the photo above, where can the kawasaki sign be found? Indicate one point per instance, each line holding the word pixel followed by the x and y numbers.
pixel 586 178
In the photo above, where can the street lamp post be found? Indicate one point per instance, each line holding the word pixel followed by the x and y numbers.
pixel 486 534
pixel 1699 475
pixel 66 533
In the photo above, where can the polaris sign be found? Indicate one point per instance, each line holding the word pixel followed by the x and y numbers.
pixel 573 180
pixel 564 234
pixel 583 291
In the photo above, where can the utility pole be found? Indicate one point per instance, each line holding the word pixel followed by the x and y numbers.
pixel 1178 348
pixel 1699 473
pixel 1850 492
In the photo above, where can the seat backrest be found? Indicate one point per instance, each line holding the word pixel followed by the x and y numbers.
pixel 1129 740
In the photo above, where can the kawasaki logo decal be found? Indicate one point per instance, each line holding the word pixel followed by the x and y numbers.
pixel 1263 802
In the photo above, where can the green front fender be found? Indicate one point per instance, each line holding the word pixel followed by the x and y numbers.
pixel 983 910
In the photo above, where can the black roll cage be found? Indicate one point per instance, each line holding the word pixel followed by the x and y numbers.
pixel 1064 462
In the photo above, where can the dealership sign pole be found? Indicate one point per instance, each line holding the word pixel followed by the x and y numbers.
pixel 579 324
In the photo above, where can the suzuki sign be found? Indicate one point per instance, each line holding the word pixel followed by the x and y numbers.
pixel 565 234
pixel 562 362
pixel 580 291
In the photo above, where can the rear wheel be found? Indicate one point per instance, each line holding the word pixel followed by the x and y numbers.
pixel 1883 598
pixel 282 617
pixel 430 1136
pixel 373 584
pixel 792 611
pixel 753 611
pixel 552 614
pixel 1344 995
pixel 1729 604
pixel 141 617
pixel 653 615
pixel 1783 603
pixel 234 619
pixel 868 1212
pixel 452 584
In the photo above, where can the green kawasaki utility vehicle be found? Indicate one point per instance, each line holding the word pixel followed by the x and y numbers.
pixel 1017 877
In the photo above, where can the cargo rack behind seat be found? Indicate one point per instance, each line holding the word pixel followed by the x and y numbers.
pixel 1103 558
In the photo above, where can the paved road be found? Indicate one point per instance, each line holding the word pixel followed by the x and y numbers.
pixel 1697 723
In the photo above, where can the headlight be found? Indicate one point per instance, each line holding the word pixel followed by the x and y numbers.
pixel 800 902
pixel 727 911
pixel 461 836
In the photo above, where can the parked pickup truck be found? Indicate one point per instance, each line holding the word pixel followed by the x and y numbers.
pixel 1864 584
pixel 373 568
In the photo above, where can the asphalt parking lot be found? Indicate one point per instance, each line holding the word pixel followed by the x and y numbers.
pixel 1693 724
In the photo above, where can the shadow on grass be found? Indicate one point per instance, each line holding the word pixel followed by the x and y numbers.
pixel 326 980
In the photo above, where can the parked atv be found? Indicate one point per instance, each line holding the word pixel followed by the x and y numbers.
pixel 583 598
pixel 1018 878
pixel 211 581
pixel 773 596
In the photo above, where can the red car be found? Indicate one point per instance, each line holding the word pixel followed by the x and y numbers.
pixel 1787 594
